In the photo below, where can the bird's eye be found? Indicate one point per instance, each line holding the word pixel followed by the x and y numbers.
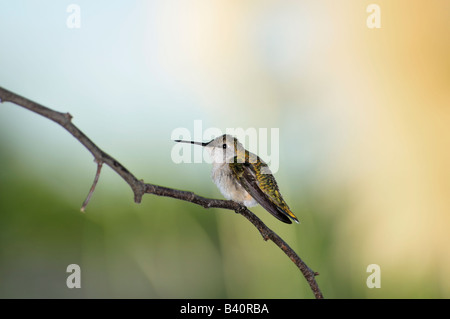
pixel 224 146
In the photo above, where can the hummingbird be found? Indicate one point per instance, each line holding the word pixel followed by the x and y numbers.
pixel 243 177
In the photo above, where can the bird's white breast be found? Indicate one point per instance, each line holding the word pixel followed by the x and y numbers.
pixel 229 186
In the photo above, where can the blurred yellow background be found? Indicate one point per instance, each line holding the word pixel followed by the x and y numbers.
pixel 364 146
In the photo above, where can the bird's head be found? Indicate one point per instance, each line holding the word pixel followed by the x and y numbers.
pixel 222 149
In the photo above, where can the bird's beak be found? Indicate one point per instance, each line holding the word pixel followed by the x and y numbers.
pixel 192 142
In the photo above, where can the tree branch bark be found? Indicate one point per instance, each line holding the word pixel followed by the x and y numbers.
pixel 140 188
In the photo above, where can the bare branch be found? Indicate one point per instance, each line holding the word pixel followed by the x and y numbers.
pixel 91 191
pixel 140 188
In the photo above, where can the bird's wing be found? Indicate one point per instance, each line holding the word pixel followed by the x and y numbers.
pixel 246 174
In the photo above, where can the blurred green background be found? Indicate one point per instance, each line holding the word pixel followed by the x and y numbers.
pixel 364 146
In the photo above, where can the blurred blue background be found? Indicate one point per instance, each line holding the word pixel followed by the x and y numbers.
pixel 363 120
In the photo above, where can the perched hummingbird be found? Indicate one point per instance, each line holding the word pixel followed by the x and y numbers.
pixel 244 178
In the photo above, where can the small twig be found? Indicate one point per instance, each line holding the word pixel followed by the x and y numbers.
pixel 140 188
pixel 91 191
